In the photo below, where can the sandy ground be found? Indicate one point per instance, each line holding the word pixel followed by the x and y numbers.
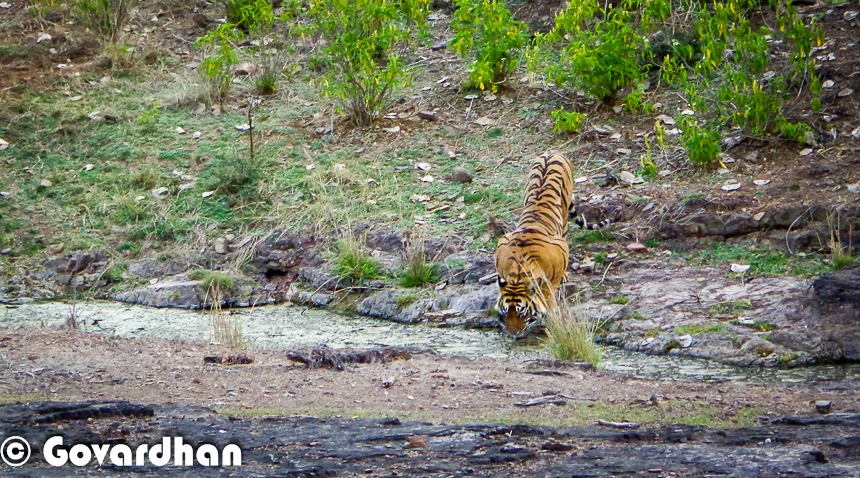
pixel 73 365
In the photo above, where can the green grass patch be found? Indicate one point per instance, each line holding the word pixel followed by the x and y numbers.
pixel 763 261
pixel 730 307
pixel 592 236
pixel 695 329
pixel 404 300
pixel 621 300
pixel 212 279
pixel 352 264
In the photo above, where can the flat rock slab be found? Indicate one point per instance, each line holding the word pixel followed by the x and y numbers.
pixel 825 446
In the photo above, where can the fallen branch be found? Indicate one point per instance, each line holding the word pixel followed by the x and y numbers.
pixel 621 425
pixel 546 400
pixel 324 357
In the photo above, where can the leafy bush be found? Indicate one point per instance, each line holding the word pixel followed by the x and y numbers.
pixel 249 15
pixel 363 42
pixel 106 17
pixel 220 58
pixel 487 30
pixel 600 60
pixel 701 143
pixel 567 122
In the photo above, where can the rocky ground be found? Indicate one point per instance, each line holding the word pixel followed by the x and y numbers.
pixel 316 447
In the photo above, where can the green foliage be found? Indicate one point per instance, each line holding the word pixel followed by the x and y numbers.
pixel 106 17
pixel 363 43
pixel 729 307
pixel 701 143
pixel 212 279
pixel 250 15
pixel 600 61
pixel 694 329
pixel 620 300
pixel 486 29
pixel 417 274
pixel 237 175
pixel 219 59
pixel 352 264
pixel 567 121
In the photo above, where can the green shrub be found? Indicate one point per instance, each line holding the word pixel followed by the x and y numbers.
pixel 600 60
pixel 486 29
pixel 106 17
pixel 220 56
pixel 701 143
pixel 212 279
pixel 403 301
pixel 249 15
pixel 566 121
pixel 363 43
pixel 352 264
pixel 417 274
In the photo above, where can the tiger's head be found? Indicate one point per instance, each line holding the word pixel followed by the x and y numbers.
pixel 522 299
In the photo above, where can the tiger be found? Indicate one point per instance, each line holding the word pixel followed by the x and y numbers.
pixel 531 260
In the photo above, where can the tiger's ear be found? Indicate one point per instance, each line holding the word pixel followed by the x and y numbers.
pixel 502 282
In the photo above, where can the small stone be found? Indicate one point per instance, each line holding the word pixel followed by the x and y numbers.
pixel 686 341
pixel 6 252
pixel 731 185
pixel 688 112
pixel 828 84
pixel 187 186
pixel 854 188
pixel 850 15
pixel 206 194
pixel 581 179
pixel 806 151
pixel 758 346
pixel 856 132
pixel 636 247
pixel 427 179
pixel 246 69
pixel 423 166
pixel 46 183
pixel 439 46
pixel 823 406
pixel 428 115
pixel 513 448
pixel 43 37
pixel 221 245
pixel 665 119
pixel 159 192
pixel 761 182
pixel 393 130
pixel 88 167
pixel 758 216
pixel 739 268
pixel 630 178
pixel 484 121
pixel 180 130
pixel 845 92
pixel 460 175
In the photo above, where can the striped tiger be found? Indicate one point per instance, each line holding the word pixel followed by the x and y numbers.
pixel 531 260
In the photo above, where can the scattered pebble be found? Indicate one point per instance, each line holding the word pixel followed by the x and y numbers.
pixel 823 406
pixel 196 135
pixel 761 182
pixel 854 188
pixel 806 151
pixel 243 127
pixel 758 216
pixel 427 179
pixel 665 119
pixel 158 192
pixel 686 341
pixel 731 185
pixel 461 175
pixel 739 268
pixel 180 130
pixel 393 130
pixel 630 178
pixel 5 144
pixel 636 247
pixel 423 166
pixel 581 179
pixel 206 194
pixel 428 115
pixel 246 69
pixel 88 167
pixel 850 15
pixel 828 84
pixel 46 183
pixel 484 121
pixel 43 37
pixel 845 92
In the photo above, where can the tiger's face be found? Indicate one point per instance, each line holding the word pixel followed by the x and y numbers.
pixel 521 301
